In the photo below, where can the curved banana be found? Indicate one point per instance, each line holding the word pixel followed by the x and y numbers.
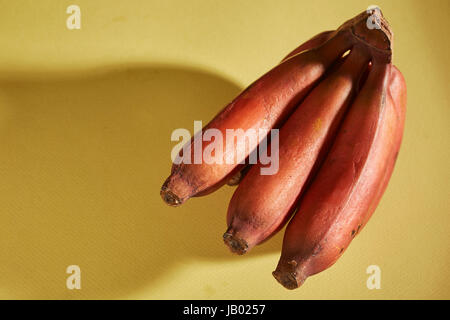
pixel 351 181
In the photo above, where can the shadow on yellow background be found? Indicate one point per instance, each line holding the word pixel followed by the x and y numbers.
pixel 82 159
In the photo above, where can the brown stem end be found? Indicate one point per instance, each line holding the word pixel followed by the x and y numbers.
pixel 286 279
pixel 288 275
pixel 371 28
pixel 237 245
pixel 170 198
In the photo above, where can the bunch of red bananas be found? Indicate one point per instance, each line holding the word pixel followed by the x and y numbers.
pixel 340 106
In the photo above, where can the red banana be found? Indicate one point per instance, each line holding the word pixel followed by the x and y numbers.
pixel 350 182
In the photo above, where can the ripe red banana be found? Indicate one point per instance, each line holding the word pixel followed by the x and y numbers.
pixel 351 180
pixel 262 203
pixel 262 106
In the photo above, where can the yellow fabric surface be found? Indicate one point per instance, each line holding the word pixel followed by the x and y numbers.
pixel 85 123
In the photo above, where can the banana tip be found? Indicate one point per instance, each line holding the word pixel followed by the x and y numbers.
pixel 170 198
pixel 287 279
pixel 236 245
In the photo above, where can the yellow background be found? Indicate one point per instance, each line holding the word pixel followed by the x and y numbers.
pixel 85 123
